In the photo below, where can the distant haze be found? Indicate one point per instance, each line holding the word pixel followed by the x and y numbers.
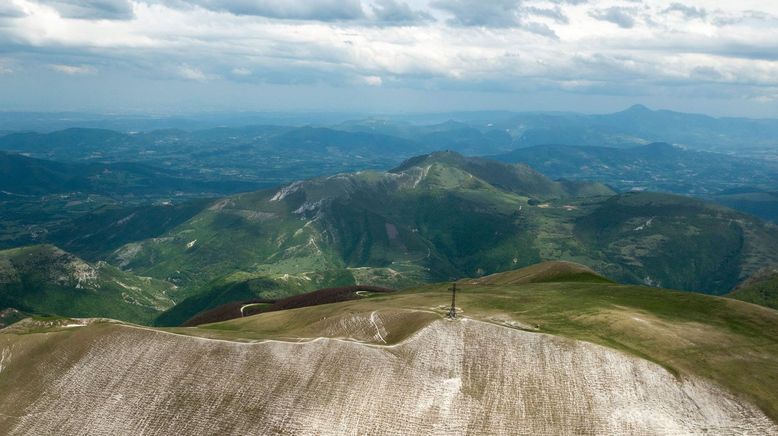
pixel 189 56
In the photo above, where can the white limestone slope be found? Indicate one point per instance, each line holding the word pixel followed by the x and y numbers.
pixel 452 377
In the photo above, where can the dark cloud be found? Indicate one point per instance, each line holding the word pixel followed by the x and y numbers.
pixel 689 12
pixel 555 14
pixel 499 14
pixel 321 10
pixel 746 16
pixel 92 9
pixel 493 13
pixel 395 12
pixel 622 17
pixel 540 29
pixel 10 11
pixel 707 73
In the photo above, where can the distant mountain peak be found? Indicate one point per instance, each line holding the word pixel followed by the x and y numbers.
pixel 446 156
pixel 638 108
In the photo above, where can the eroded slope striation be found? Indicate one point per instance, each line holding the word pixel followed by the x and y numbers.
pixel 451 377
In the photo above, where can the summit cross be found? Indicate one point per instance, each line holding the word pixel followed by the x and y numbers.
pixel 452 313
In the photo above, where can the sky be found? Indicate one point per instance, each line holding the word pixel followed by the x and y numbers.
pixel 187 56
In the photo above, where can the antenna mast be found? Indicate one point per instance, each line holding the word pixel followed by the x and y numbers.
pixel 452 313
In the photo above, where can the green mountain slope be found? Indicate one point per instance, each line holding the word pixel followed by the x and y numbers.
pixel 677 242
pixel 761 289
pixel 597 356
pixel 443 216
pixel 10 316
pixel 425 220
pixel 517 178
pixel 44 279
pixel 96 234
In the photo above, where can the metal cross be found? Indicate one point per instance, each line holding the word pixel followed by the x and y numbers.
pixel 452 313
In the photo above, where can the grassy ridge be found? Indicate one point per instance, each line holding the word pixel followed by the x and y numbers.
pixel 732 343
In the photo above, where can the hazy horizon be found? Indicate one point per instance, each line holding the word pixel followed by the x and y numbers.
pixel 346 114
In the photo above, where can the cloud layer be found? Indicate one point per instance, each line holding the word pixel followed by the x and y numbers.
pixel 576 50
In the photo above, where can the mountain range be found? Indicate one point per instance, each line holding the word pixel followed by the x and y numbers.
pixel 434 217
pixel 24 176
pixel 275 279
pixel 740 182
pixel 634 126
pixel 437 217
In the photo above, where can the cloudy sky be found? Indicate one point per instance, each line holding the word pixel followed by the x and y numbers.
pixel 166 56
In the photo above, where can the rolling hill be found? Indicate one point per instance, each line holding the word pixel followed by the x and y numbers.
pixel 27 176
pixel 442 215
pixel 258 156
pixel 756 202
pixel 46 280
pixel 677 242
pixel 68 203
pixel 640 125
pixel 761 288
pixel 432 218
pixel 653 167
pixel 524 357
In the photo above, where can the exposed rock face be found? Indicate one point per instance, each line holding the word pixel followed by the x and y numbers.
pixel 451 377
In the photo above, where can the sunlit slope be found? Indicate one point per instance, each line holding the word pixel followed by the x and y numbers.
pixel 422 222
pixel 552 271
pixel 686 333
pixel 444 216
pixel 451 377
pixel 46 280
pixel 533 358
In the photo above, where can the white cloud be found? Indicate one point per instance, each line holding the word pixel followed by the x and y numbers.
pixel 191 73
pixel 5 67
pixel 240 71
pixel 91 9
pixel 372 80
pixel 477 46
pixel 323 10
pixel 72 70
